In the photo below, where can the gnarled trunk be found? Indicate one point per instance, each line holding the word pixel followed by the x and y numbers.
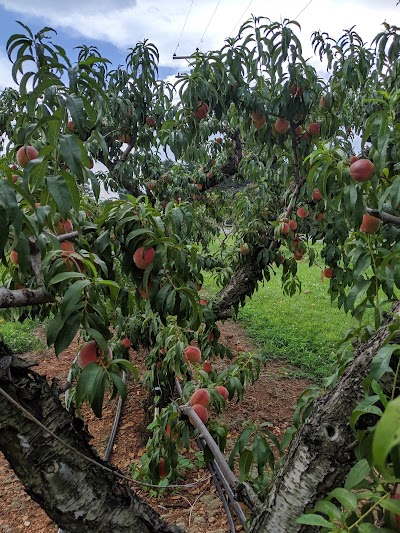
pixel 79 496
pixel 321 454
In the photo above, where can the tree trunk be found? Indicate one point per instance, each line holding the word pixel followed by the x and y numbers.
pixel 79 496
pixel 321 454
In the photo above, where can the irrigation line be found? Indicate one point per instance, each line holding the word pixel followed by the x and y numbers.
pixel 215 469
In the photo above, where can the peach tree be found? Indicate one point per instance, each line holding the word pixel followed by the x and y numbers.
pixel 258 146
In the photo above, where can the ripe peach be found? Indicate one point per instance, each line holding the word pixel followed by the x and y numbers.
pixel 298 256
pixel 219 140
pixel 199 186
pixel 202 110
pixel 314 128
pixel 284 228
pixel 71 126
pixel 281 125
pixel 353 159
pixel 223 391
pixel 292 225
pixel 244 250
pixel 258 119
pixel 64 226
pixel 24 156
pixel 298 131
pixel 161 468
pixel 296 91
pixel 14 257
pixel 316 195
pixel 370 224
pixel 192 354
pixel 362 170
pixel 203 302
pixel 318 217
pixel 126 343
pixel 302 213
pixel 207 367
pixel 201 412
pixel 200 396
pixel 328 272
pixel 67 246
pixel 151 122
pixel 91 353
pixel 143 258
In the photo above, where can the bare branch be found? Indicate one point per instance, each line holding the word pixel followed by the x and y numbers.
pixel 385 217
pixel 23 297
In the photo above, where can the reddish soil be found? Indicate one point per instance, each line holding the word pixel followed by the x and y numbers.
pixel 198 509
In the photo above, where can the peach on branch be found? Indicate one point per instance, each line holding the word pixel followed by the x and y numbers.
pixel 328 272
pixel 281 125
pixel 201 412
pixel 200 396
pixel 64 226
pixel 151 122
pixel 223 391
pixel 244 250
pixel 316 195
pixel 14 257
pixel 292 225
pixel 362 170
pixel 201 111
pixel 24 155
pixel 302 212
pixel 91 353
pixel 161 468
pixel 314 128
pixel 284 228
pixel 370 224
pixel 144 257
pixel 126 343
pixel 207 367
pixel 192 354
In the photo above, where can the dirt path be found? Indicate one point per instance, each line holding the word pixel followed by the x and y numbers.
pixel 198 510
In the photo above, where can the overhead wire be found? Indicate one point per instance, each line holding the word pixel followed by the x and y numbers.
pixel 209 22
pixel 304 8
pixel 240 18
pixel 183 28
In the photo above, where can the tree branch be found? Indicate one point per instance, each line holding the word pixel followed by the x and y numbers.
pixel 23 297
pixel 385 217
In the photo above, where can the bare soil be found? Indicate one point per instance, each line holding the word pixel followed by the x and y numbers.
pixel 198 509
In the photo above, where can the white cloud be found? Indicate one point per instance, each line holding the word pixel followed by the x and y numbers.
pixel 5 72
pixel 125 22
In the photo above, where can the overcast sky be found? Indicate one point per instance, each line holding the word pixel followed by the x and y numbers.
pixel 114 26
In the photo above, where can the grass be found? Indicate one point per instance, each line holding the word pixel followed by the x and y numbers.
pixel 303 329
pixel 20 337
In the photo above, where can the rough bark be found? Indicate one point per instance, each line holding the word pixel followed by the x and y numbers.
pixel 23 297
pixel 77 495
pixel 242 283
pixel 321 454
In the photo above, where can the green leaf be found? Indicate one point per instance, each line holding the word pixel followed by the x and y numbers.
pixel 119 384
pixel 59 190
pixel 357 474
pixel 386 437
pixel 329 509
pixel 245 462
pixel 71 151
pixel 346 498
pixel 380 364
pixel 86 382
pixel 65 275
pixel 391 505
pixel 314 520
pixel 370 528
pixel 68 331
